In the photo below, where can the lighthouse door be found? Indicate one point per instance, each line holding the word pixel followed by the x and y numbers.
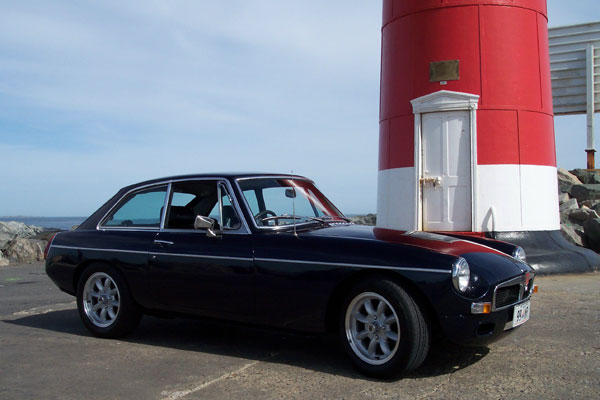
pixel 446 171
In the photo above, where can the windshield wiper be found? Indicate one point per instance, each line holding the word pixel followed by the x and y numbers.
pixel 278 217
pixel 328 218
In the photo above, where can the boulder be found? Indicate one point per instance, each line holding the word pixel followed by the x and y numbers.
pixel 585 192
pixel 592 234
pixel 566 180
pixel 563 197
pixel 46 234
pixel 24 250
pixel 568 205
pixel 571 234
pixel 587 176
pixel 590 203
pixel 11 229
pixel 3 260
pixel 369 219
pixel 580 215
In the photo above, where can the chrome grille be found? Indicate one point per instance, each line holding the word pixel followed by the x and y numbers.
pixel 512 292
pixel 507 295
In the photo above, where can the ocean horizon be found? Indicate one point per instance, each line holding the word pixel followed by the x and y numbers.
pixel 62 223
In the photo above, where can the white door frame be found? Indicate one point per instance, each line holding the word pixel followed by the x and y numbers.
pixel 445 100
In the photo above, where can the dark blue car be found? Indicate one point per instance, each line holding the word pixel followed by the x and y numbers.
pixel 272 250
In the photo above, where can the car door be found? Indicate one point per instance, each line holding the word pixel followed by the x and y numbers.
pixel 202 272
pixel 125 236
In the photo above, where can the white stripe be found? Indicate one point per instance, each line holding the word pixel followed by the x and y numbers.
pixel 439 271
pixel 396 199
pixel 509 198
pixel 156 253
pixel 524 198
pixel 202 256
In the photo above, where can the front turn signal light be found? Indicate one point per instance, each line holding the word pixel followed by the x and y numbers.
pixel 535 288
pixel 481 308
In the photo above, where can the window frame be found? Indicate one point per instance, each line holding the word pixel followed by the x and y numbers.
pixel 244 229
pixel 123 200
pixel 278 227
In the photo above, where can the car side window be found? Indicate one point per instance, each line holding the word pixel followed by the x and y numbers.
pixel 199 197
pixel 142 209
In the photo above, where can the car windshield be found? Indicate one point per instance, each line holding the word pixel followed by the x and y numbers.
pixel 285 201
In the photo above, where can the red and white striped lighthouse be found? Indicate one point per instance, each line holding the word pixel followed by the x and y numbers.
pixel 466 124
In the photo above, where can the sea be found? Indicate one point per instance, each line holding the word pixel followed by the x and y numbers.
pixel 62 223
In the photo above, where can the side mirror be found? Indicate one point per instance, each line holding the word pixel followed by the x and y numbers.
pixel 202 222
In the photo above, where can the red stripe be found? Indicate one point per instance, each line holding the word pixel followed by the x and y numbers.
pixel 444 244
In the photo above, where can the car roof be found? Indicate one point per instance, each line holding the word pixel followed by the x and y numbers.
pixel 224 175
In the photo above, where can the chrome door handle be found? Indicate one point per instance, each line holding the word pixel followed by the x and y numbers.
pixel 163 243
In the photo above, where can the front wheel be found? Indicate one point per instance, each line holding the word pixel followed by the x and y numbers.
pixel 383 329
pixel 104 303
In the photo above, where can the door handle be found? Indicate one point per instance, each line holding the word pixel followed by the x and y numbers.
pixel 163 243
pixel 433 181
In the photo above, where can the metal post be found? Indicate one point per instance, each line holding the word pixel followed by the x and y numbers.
pixel 590 150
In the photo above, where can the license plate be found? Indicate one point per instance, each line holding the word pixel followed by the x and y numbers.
pixel 521 314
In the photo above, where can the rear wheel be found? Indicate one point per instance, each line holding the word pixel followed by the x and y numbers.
pixel 104 303
pixel 383 329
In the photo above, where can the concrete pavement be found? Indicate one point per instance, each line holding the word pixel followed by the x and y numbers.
pixel 45 352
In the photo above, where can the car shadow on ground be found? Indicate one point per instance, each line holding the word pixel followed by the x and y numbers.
pixel 319 353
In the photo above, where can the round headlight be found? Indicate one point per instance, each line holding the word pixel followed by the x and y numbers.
pixel 461 274
pixel 519 254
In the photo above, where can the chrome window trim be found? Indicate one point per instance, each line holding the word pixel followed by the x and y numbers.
pixel 102 220
pixel 282 227
pixel 244 228
pixel 519 280
pixel 163 217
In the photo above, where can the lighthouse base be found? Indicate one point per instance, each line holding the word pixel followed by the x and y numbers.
pixel 550 253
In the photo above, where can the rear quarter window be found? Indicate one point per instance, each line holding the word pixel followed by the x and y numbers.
pixel 141 209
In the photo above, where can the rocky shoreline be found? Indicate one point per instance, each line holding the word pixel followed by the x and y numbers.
pixel 20 243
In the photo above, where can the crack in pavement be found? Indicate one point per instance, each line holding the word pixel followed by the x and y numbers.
pixel 183 393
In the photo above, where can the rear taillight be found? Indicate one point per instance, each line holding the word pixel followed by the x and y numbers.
pixel 48 246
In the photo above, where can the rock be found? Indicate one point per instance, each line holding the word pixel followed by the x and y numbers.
pixel 11 229
pixel 3 260
pixel 566 180
pixel 590 203
pixel 369 219
pixel 563 197
pixel 585 192
pixel 592 234
pixel 46 234
pixel 587 176
pixel 581 215
pixel 24 250
pixel 568 205
pixel 571 234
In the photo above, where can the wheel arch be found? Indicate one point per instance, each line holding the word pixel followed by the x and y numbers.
pixel 337 297
pixel 88 263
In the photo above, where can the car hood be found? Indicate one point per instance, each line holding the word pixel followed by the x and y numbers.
pixel 490 263
pixel 431 241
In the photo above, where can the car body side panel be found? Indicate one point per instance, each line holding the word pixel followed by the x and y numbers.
pixel 208 276
pixel 296 275
pixel 127 250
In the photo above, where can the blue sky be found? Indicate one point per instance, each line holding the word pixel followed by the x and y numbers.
pixel 98 95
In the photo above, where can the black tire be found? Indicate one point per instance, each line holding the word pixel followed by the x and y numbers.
pixel 411 329
pixel 120 315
